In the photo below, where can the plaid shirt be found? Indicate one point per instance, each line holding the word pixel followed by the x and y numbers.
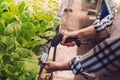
pixel 105 55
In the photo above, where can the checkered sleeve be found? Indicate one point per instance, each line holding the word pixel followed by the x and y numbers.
pixel 101 57
pixel 100 25
pixel 75 65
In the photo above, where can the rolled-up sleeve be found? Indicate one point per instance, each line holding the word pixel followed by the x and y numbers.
pixel 101 25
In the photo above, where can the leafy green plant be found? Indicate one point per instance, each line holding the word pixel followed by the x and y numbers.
pixel 24 26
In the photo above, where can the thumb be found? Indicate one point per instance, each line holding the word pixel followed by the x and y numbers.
pixel 63 40
pixel 45 63
pixel 64 37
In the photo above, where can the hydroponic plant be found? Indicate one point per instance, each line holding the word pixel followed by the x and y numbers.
pixel 24 26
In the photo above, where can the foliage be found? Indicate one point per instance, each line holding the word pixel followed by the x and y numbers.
pixel 24 26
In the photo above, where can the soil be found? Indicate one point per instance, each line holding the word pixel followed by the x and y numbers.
pixel 77 19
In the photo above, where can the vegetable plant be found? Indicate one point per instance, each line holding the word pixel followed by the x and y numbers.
pixel 24 26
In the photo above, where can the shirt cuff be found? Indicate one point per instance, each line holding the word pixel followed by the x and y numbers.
pixel 101 25
pixel 75 65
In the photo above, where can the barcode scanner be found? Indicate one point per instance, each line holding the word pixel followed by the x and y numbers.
pixel 58 38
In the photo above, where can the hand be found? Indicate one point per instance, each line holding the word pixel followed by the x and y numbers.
pixel 69 35
pixel 69 44
pixel 51 66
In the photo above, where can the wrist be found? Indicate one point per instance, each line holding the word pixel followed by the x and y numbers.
pixel 64 66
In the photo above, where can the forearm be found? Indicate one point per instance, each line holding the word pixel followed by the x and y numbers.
pixel 64 66
pixel 86 32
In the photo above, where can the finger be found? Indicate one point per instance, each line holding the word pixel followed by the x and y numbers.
pixel 64 37
pixel 67 44
pixel 63 40
pixel 46 67
pixel 45 63
pixel 73 43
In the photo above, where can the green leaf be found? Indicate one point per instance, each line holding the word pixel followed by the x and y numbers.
pixel 3 74
pixel 36 42
pixel 1 1
pixel 8 43
pixel 12 29
pixel 49 34
pixel 23 17
pixel 17 44
pixel 7 16
pixel 44 24
pixel 7 40
pixel 13 20
pixel 2 29
pixel 22 53
pixel 3 47
pixel 3 5
pixel 27 31
pixel 21 7
pixel 11 72
pixel 30 44
pixel 9 30
pixel 13 8
pixel 43 16
pixel 23 42
pixel 6 59
pixel 8 1
pixel 1 12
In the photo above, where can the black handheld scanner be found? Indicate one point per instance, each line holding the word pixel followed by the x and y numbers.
pixel 58 38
